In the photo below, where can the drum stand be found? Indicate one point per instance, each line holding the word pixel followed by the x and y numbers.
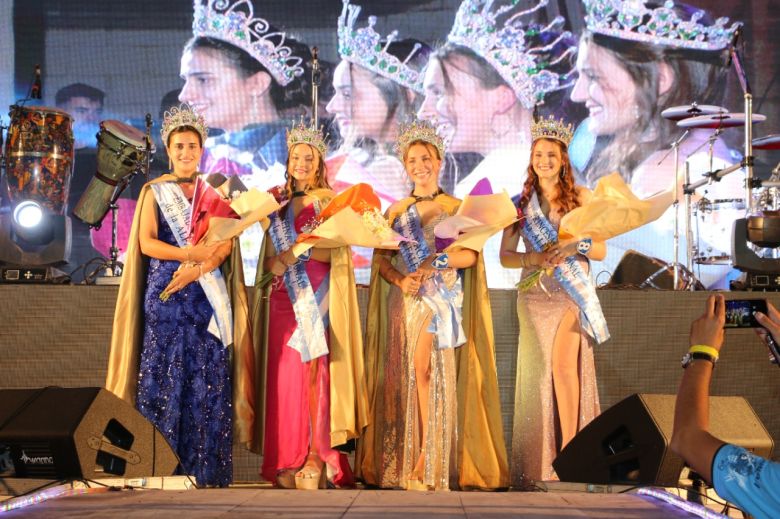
pixel 110 272
pixel 686 275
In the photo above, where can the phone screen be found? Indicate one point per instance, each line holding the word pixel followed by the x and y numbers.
pixel 740 313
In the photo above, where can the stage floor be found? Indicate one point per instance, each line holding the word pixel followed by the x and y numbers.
pixel 267 502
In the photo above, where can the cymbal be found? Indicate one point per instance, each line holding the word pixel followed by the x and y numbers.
pixel 770 142
pixel 678 113
pixel 719 121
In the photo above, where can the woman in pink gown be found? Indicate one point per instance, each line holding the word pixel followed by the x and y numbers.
pixel 306 415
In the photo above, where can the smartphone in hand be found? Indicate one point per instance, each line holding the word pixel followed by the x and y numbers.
pixel 740 313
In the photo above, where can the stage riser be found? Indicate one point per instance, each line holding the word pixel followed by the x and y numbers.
pixel 59 335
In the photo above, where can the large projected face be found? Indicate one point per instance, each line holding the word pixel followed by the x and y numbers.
pixel 422 165
pixel 456 101
pixel 606 88
pixel 358 107
pixel 216 89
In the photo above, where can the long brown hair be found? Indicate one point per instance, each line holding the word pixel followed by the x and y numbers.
pixel 320 178
pixel 697 76
pixel 566 198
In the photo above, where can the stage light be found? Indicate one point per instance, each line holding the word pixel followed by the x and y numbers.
pixel 28 214
pixel 35 232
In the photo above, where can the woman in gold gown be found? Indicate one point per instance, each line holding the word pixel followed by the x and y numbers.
pixel 433 394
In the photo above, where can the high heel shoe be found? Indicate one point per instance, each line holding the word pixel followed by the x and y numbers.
pixel 417 485
pixel 312 478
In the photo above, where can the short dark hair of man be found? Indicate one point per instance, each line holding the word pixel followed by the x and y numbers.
pixel 67 93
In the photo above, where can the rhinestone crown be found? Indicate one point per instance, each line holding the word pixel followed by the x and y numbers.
pixel 183 115
pixel 551 128
pixel 418 130
pixel 363 47
pixel 505 45
pixel 302 134
pixel 234 22
pixel 633 20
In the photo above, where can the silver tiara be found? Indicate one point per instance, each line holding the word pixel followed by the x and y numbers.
pixel 234 22
pixel 633 20
pixel 363 47
pixel 505 45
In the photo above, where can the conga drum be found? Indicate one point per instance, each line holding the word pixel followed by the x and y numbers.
pixel 121 152
pixel 39 156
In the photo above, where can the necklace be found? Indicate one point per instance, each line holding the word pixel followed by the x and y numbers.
pixel 422 198
pixel 186 180
pixel 296 194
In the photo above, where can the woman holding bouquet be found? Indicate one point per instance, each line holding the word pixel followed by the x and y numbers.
pixel 435 420
pixel 558 311
pixel 312 404
pixel 174 321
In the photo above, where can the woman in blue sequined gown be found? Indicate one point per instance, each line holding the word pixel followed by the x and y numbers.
pixel 184 374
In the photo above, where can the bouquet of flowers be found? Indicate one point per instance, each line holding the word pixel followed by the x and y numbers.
pixel 250 207
pixel 353 217
pixel 611 211
pixel 481 214
pixel 216 219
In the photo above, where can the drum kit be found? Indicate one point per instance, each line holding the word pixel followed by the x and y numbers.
pixel 38 161
pixel 715 218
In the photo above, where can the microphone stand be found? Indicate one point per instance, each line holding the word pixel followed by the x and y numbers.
pixel 736 59
pixel 316 78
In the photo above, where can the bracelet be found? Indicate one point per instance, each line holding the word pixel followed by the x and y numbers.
pixel 688 359
pixel 441 261
pixel 703 348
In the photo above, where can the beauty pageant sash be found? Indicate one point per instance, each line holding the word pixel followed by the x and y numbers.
pixel 445 303
pixel 570 274
pixel 177 211
pixel 311 309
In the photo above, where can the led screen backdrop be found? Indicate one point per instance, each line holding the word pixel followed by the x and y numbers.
pixel 479 86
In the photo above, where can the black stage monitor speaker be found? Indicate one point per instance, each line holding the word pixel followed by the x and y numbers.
pixel 629 442
pixel 75 433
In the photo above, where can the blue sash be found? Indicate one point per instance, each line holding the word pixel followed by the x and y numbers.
pixel 177 211
pixel 445 303
pixel 570 274
pixel 311 310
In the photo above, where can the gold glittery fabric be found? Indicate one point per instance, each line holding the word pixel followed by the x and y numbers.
pixel 396 415
pixel 535 434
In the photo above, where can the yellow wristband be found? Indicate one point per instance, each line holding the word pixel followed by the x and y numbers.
pixel 703 348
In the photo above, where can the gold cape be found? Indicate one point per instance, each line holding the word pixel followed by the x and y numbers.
pixel 481 451
pixel 348 402
pixel 128 331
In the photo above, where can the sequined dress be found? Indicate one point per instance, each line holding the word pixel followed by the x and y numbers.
pixel 535 433
pixel 184 382
pixel 396 412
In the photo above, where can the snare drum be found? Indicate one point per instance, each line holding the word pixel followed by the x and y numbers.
pixel 39 156
pixel 121 152
pixel 714 226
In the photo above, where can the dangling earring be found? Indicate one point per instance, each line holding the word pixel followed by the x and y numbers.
pixel 170 164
